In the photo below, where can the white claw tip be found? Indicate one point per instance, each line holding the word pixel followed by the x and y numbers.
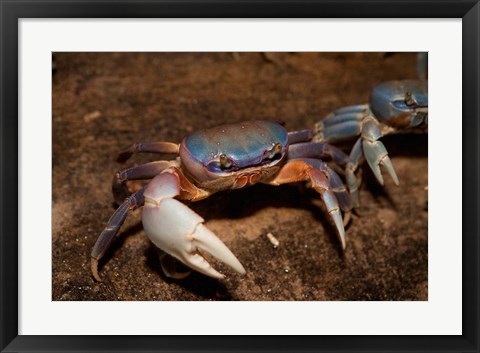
pixel 206 240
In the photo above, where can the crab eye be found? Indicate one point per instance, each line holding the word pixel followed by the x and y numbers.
pixel 274 152
pixel 222 164
pixel 225 163
pixel 278 148
pixel 409 100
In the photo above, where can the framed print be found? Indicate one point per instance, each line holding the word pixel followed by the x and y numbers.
pixel 276 181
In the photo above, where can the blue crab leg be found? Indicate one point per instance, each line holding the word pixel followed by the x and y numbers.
pixel 341 124
pixel 356 108
pixel 140 172
pixel 350 113
pixel 306 170
pixel 374 150
pixel 113 226
pixel 352 121
pixel 337 132
pixel 150 147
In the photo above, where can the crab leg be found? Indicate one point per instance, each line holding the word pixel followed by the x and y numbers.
pixel 324 150
pixel 318 150
pixel 357 120
pixel 151 147
pixel 374 150
pixel 334 182
pixel 143 171
pixel 306 170
pixel 114 223
pixel 341 124
pixel 177 230
pixel 300 136
pixel 354 160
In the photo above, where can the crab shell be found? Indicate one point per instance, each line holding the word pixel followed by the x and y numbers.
pixel 250 152
pixel 401 104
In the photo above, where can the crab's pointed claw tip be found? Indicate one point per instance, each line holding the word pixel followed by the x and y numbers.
pixel 206 240
pixel 337 218
pixel 198 263
pixel 376 154
pixel 94 269
pixel 378 174
pixel 387 163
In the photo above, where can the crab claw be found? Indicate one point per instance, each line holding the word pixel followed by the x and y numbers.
pixel 179 231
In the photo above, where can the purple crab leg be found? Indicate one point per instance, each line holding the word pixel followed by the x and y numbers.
pixel 150 147
pixel 305 170
pixel 318 150
pixel 355 158
pixel 323 150
pixel 113 226
pixel 300 136
pixel 334 181
pixel 140 172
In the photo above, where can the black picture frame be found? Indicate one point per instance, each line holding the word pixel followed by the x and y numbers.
pixel 12 11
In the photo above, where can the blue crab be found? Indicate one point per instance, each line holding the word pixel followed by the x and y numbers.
pixel 395 107
pixel 239 155
pixel 225 157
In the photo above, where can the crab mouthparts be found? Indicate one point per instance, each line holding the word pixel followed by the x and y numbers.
pixel 246 179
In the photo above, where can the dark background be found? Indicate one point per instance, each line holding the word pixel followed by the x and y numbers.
pixel 103 102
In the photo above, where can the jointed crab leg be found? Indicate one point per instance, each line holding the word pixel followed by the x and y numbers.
pixel 179 231
pixel 301 146
pixel 318 150
pixel 140 172
pixel 152 147
pixel 305 170
pixel 374 150
pixel 354 120
pixel 323 150
pixel 300 136
pixel 115 222
pixel 309 150
pixel 341 124
pixel 356 156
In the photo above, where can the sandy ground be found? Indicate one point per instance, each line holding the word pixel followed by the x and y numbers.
pixel 103 102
